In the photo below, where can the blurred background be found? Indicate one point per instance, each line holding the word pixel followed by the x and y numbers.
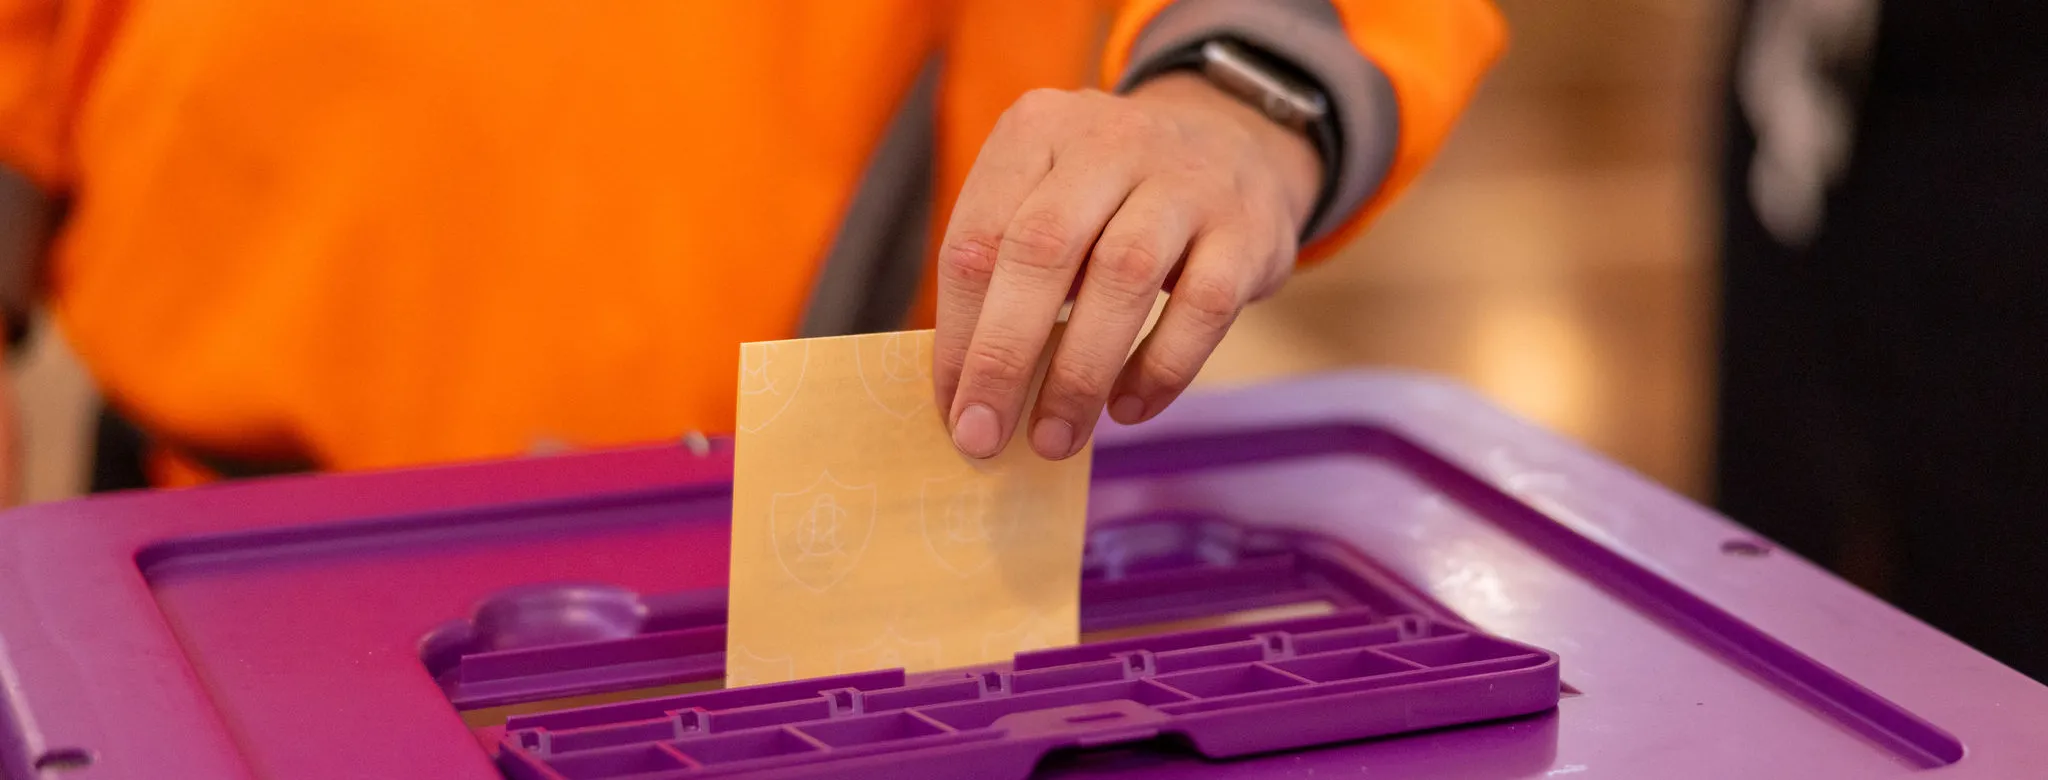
pixel 1557 257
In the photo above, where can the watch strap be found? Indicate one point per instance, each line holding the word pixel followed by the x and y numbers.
pixel 1309 37
pixel 1320 131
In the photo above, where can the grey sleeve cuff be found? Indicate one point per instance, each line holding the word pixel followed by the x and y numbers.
pixel 1309 35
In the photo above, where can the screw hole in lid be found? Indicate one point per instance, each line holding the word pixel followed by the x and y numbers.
pixel 1411 626
pixel 539 742
pixel 1277 645
pixel 1745 548
pixel 1139 663
pixel 686 722
pixel 63 760
pixel 843 702
pixel 995 682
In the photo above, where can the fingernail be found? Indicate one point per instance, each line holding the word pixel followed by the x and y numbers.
pixel 975 433
pixel 1127 409
pixel 1052 438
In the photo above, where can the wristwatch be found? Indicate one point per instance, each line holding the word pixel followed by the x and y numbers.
pixel 1277 89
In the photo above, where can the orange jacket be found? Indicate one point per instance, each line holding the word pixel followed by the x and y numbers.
pixel 379 232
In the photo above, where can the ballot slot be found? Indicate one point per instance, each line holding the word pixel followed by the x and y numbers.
pixel 484 718
pixel 1198 635
pixel 595 738
pixel 1192 579
pixel 1312 607
pixel 1231 578
pixel 1065 676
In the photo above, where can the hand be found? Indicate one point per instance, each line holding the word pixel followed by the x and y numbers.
pixel 1108 200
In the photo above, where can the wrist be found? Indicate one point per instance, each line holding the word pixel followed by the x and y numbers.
pixel 1290 154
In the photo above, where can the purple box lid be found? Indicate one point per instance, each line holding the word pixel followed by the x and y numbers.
pixel 289 628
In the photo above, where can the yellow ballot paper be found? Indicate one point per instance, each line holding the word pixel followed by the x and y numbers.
pixel 862 540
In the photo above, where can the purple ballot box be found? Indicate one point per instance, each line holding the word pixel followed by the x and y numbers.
pixel 1357 575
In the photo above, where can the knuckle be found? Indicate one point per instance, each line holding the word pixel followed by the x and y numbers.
pixel 969 259
pixel 1163 373
pixel 1126 124
pixel 1278 270
pixel 1044 96
pixel 1213 301
pixel 1223 190
pixel 1000 366
pixel 1286 232
pixel 1196 162
pixel 1200 169
pixel 1070 388
pixel 1205 192
pixel 1285 250
pixel 1285 255
pixel 1128 267
pixel 1039 239
pixel 1263 242
pixel 1037 103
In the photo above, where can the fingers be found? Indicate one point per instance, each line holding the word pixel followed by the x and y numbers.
pixel 1040 253
pixel 1163 192
pixel 1141 243
pixel 1224 270
pixel 1005 173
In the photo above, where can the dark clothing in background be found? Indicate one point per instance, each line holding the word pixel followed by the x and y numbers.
pixel 119 454
pixel 1884 389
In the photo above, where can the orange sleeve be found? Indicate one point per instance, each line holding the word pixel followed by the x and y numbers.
pixel 30 98
pixel 1432 53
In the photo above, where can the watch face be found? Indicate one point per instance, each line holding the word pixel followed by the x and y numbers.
pixel 1263 84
